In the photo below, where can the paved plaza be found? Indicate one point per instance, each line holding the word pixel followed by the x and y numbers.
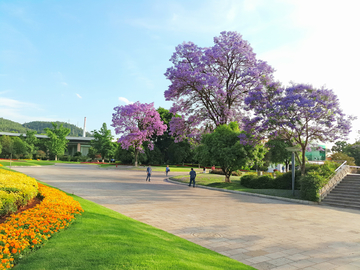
pixel 261 232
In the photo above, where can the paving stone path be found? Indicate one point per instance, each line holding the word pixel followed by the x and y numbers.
pixel 261 232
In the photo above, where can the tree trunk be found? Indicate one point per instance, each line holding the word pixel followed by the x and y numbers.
pixel 55 157
pixel 287 166
pixel 227 179
pixel 303 162
pixel 227 175
pixel 136 157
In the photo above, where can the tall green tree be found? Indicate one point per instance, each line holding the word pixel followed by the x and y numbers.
pixel 57 142
pixel 340 147
pixel 277 152
pixel 20 148
pixel 171 152
pixel 7 145
pixel 30 140
pixel 223 148
pixel 103 141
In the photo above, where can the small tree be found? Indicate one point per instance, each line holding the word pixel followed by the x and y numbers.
pixel 20 148
pixel 57 139
pixel 222 147
pixel 102 142
pixel 343 157
pixel 7 145
pixel 300 114
pixel 30 140
pixel 137 123
pixel 278 153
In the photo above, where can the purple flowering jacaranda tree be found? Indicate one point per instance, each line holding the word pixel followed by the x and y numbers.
pixel 209 85
pixel 300 114
pixel 137 123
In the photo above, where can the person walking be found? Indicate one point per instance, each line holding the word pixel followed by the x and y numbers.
pixel 192 177
pixel 167 170
pixel 148 172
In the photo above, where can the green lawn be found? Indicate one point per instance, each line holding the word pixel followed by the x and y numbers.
pixel 34 162
pixel 215 180
pixel 104 239
pixel 26 163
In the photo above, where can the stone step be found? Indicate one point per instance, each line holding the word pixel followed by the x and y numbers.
pixel 348 187
pixel 342 195
pixel 342 200
pixel 345 188
pixel 357 207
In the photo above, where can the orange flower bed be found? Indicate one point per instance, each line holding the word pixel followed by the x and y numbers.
pixel 30 229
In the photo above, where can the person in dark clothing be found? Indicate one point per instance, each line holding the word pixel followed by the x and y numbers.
pixel 148 172
pixel 192 177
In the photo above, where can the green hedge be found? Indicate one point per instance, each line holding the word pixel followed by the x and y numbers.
pixel 316 177
pixel 282 181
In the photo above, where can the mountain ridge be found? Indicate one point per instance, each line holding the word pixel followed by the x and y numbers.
pixel 7 125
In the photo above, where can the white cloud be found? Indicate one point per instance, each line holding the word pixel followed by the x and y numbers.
pixel 327 55
pixel 125 100
pixel 16 110
pixel 78 96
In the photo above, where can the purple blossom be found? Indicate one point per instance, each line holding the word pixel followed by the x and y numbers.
pixel 300 114
pixel 209 85
pixel 137 123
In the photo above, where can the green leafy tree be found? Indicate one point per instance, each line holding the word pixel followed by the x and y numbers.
pixel 340 147
pixel 7 145
pixel 353 150
pixel 20 148
pixel 223 148
pixel 103 141
pixel 92 153
pixel 171 152
pixel 278 153
pixel 30 140
pixel 57 142
pixel 343 157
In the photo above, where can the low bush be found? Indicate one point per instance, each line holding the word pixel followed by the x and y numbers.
pixel 247 179
pixel 310 185
pixel 219 171
pixel 316 177
pixel 282 181
pixel 16 189
pixel 30 229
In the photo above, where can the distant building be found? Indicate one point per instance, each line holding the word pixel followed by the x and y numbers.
pixel 75 144
pixel 316 154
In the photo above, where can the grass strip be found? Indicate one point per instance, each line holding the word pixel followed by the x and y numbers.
pixel 104 239
pixel 217 181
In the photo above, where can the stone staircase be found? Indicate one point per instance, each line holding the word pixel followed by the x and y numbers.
pixel 346 193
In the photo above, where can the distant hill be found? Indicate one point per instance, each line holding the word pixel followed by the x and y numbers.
pixel 40 126
pixel 11 126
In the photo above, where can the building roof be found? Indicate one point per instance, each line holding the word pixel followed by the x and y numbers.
pixel 70 138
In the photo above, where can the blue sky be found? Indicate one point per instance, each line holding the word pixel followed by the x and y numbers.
pixel 64 60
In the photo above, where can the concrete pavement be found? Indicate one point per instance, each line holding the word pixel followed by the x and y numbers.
pixel 261 232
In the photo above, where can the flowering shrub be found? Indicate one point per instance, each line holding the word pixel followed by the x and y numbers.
pixel 16 189
pixel 31 228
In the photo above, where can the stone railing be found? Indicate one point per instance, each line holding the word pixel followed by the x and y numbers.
pixel 341 172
